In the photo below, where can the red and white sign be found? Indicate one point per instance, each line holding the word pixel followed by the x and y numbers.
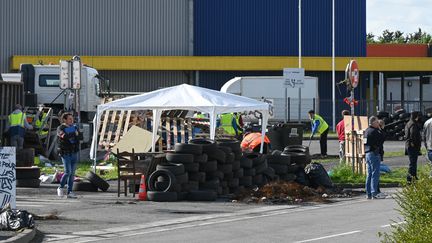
pixel 353 73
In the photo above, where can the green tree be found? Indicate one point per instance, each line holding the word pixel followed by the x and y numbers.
pixel 386 37
pixel 399 37
pixel 370 38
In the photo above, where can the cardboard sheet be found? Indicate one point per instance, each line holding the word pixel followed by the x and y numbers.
pixel 137 138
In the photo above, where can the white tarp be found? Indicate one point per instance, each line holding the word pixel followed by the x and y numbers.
pixel 183 97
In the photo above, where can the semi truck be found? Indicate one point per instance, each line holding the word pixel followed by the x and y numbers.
pixel 271 89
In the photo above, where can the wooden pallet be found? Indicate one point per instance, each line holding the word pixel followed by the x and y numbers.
pixel 173 126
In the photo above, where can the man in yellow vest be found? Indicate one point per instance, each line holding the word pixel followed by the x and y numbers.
pixel 229 124
pixel 17 123
pixel 319 126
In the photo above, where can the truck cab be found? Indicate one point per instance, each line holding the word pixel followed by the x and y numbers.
pixel 41 84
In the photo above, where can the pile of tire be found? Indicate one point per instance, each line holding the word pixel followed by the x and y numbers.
pixel 394 124
pixel 91 183
pixel 255 170
pixel 27 175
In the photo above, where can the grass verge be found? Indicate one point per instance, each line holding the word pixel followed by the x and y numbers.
pixel 82 168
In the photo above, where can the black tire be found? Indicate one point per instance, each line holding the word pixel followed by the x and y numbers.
pixel 169 178
pixel 300 158
pixel 97 181
pixel 225 149
pixel 176 169
pixel 200 195
pixel 246 163
pixel 249 172
pixel 180 158
pixel 183 178
pixel 257 180
pixel 25 157
pixel 218 155
pixel 230 157
pixel 229 175
pixel 270 172
pixel 236 165
pixel 30 183
pixel 184 148
pixel 225 168
pixel 209 166
pixel 238 173
pixel 279 159
pixel 256 158
pixel 288 177
pixel 208 145
pixel 238 155
pixel 84 186
pixel 233 144
pixel 202 158
pixel 261 168
pixel 293 168
pixel 233 183
pixel 194 167
pixel 27 172
pixel 215 174
pixel 210 185
pixel 276 152
pixel 162 196
pixel 295 150
pixel 245 181
pixel 163 186
pixel 182 196
pixel 197 176
pixel 279 169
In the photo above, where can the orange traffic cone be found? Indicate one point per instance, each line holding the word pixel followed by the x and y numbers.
pixel 142 194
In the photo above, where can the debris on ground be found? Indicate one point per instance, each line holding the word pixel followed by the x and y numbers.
pixel 281 192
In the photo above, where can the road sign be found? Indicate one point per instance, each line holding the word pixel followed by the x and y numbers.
pixel 294 77
pixel 64 75
pixel 76 71
pixel 353 73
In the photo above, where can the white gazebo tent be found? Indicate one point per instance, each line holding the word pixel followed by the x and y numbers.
pixel 183 97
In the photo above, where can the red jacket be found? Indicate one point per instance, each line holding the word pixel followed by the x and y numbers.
pixel 340 129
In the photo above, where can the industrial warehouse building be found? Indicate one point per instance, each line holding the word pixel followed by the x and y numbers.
pixel 145 45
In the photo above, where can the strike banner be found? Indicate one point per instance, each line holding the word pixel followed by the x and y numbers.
pixel 7 176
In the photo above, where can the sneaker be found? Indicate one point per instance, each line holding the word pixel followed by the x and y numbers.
pixel 60 192
pixel 380 196
pixel 369 197
pixel 72 195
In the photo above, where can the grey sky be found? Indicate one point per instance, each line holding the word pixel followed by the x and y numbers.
pixel 404 15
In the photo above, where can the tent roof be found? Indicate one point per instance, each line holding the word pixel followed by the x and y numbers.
pixel 186 97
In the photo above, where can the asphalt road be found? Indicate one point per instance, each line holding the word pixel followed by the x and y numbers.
pixel 102 217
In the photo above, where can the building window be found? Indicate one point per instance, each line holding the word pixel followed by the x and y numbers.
pixel 49 80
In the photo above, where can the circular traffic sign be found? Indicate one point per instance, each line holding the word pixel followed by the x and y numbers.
pixel 353 73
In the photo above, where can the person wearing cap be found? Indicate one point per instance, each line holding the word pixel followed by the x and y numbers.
pixel 413 144
pixel 427 135
pixel 16 126
pixel 319 126
pixel 372 140
pixel 340 130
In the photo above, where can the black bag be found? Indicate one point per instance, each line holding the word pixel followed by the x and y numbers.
pixel 318 175
pixel 12 219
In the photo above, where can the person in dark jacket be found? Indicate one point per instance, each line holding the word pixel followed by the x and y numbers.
pixel 413 144
pixel 372 139
pixel 68 141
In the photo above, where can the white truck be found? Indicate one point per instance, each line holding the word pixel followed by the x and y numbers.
pixel 272 89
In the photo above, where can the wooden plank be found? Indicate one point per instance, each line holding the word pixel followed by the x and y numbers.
pixel 168 133
pixel 175 130
pixel 126 125
pixel 110 129
pixel 189 126
pixel 182 130
pixel 120 124
pixel 104 125
pixel 160 142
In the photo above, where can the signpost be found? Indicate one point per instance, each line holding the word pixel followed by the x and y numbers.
pixel 352 74
pixel 8 176
pixel 294 78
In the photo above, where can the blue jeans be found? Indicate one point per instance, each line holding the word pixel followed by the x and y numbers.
pixel 429 154
pixel 69 162
pixel 373 161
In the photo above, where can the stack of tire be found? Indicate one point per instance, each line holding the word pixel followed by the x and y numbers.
pixel 27 175
pixel 254 166
pixel 232 168
pixel 91 183
pixel 394 123
pixel 280 166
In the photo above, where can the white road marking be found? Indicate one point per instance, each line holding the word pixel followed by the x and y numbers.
pixel 330 236
pixel 389 225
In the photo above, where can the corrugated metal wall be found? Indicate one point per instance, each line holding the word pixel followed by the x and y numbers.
pixel 144 81
pixel 256 27
pixel 95 27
